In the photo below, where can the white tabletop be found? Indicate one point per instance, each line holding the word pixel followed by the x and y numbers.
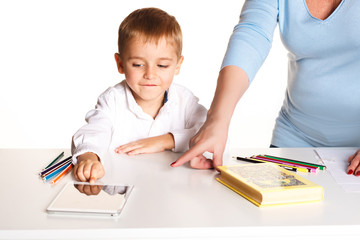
pixel 168 202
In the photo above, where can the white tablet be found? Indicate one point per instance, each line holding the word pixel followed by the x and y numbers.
pixel 94 199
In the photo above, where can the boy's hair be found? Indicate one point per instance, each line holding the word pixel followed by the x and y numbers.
pixel 150 24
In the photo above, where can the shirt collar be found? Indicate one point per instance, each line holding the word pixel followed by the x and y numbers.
pixel 169 102
pixel 132 104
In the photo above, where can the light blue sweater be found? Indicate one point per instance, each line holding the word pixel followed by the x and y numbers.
pixel 322 102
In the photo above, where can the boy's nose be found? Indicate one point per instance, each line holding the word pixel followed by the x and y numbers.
pixel 149 73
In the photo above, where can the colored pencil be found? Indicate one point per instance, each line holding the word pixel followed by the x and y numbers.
pixel 55 169
pixel 57 158
pixel 300 169
pixel 312 166
pixel 68 168
pixel 54 166
pixel 53 174
pixel 321 167
pixel 247 160
pixel 281 160
pixel 309 168
pixel 287 167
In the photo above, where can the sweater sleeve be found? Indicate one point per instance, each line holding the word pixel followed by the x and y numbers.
pixel 252 37
pixel 195 116
pixel 96 135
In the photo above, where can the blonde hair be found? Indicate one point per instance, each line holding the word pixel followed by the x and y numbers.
pixel 150 24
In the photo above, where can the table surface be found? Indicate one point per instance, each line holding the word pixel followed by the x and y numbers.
pixel 168 202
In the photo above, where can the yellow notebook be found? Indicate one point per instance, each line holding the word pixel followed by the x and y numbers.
pixel 267 184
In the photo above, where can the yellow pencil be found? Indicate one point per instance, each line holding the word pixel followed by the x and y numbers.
pixel 62 174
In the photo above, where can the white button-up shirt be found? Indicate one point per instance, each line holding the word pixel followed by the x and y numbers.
pixel 117 119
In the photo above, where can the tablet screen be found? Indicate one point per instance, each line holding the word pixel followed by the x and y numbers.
pixel 88 198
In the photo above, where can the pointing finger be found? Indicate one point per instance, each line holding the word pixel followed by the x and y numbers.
pixel 190 154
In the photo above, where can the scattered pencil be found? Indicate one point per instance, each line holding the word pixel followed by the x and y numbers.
pixel 67 169
pixel 288 167
pixel 54 166
pixel 304 168
pixel 57 158
pixel 290 164
pixel 56 170
pixel 321 167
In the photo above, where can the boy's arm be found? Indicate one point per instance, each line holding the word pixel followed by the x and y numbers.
pixel 148 145
pixel 195 116
pixel 178 139
pixel 95 136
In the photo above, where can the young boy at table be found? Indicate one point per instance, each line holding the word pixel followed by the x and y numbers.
pixel 146 112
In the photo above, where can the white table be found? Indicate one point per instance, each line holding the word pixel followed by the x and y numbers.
pixel 169 203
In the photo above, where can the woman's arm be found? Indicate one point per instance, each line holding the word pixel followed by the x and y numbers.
pixel 232 83
pixel 248 48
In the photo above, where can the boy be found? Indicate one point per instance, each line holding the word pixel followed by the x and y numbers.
pixel 146 112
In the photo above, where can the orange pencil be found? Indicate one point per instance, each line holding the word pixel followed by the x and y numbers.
pixel 62 174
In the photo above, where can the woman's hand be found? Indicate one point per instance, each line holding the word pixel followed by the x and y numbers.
pixel 210 138
pixel 354 164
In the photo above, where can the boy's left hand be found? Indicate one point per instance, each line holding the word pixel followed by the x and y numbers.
pixel 148 145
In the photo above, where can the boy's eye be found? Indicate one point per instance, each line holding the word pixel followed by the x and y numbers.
pixel 137 65
pixel 163 66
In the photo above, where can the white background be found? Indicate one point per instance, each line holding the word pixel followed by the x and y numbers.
pixel 56 57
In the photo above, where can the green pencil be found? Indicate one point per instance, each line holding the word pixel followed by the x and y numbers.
pixel 57 158
pixel 321 167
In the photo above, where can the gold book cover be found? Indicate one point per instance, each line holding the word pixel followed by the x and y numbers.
pixel 266 184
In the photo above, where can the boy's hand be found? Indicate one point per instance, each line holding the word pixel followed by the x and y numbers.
pixel 88 168
pixel 148 145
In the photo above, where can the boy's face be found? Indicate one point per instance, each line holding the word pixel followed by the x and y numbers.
pixel 149 68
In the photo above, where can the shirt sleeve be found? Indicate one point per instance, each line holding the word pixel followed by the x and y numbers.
pixel 252 37
pixel 195 116
pixel 96 135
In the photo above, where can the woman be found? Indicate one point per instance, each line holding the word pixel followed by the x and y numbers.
pixel 322 103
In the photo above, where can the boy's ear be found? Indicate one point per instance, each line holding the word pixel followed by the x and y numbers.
pixel 119 63
pixel 178 66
